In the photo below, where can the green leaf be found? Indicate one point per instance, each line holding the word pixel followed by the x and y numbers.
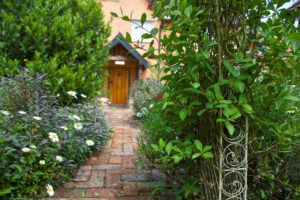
pixel 246 66
pixel 169 148
pixel 188 11
pixel 154 31
pixel 199 12
pixel 128 38
pixel 147 36
pixel 247 108
pixel 235 116
pixel 2 139
pixel 239 86
pixel 196 85
pixel 155 147
pixel 199 145
pixel 183 113
pixel 177 158
pixel 168 103
pixel 201 112
pixel 196 155
pixel 229 127
pixel 194 90
pixel 210 104
pixel 143 18
pixel 126 18
pixel 292 98
pixel 4 191
pixel 195 103
pixel 205 54
pixel 208 155
pixel 218 92
pixel 207 148
pixel 220 120
pixel 161 143
pixel 230 68
pixel 113 14
pixel 182 6
pixel 147 90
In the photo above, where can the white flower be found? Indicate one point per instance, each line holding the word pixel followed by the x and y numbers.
pixel 104 100
pixel 138 114
pixel 22 112
pixel 53 137
pixel 25 149
pixel 42 162
pixel 290 111
pixel 90 142
pixel 4 112
pixel 151 106
pixel 74 117
pixel 33 146
pixel 37 118
pixel 58 95
pixel 72 93
pixel 59 158
pixel 64 128
pixel 50 190
pixel 78 126
pixel 83 96
pixel 144 110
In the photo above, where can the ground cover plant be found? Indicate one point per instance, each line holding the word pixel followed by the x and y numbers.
pixel 227 71
pixel 42 143
pixel 63 39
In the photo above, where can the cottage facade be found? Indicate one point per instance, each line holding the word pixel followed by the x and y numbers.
pixel 126 65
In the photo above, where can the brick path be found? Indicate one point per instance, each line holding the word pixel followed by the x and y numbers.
pixel 111 174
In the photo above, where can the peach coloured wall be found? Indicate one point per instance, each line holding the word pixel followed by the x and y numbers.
pixel 137 8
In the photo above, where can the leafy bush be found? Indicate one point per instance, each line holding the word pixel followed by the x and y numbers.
pixel 63 39
pixel 226 73
pixel 143 92
pixel 40 142
pixel 169 144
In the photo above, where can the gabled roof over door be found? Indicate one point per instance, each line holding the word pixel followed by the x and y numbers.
pixel 119 39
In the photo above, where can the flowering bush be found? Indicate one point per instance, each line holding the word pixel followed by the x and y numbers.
pixel 143 93
pixel 42 144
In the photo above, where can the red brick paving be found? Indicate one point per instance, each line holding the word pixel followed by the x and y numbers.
pixel 111 174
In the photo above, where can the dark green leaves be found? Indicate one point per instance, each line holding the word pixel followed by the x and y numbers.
pixel 126 18
pixel 230 68
pixel 143 18
pixel 154 31
pixel 128 38
pixel 238 85
pixel 113 14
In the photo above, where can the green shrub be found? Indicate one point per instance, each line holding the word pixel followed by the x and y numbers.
pixel 143 92
pixel 63 39
pixel 36 130
pixel 226 71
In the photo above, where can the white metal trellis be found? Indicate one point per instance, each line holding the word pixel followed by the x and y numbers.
pixel 234 165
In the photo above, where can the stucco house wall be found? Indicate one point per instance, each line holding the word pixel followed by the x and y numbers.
pixel 135 9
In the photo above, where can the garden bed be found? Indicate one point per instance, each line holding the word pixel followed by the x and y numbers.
pixel 41 142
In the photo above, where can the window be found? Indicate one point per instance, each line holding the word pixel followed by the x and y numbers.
pixel 137 32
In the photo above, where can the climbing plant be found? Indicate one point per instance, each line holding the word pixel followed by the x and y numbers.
pixel 230 66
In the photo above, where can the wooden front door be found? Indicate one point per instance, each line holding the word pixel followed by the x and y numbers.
pixel 118 86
